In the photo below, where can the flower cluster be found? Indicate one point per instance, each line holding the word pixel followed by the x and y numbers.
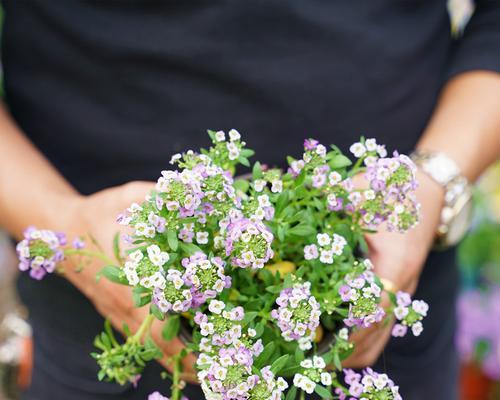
pixel 369 385
pixel 220 326
pixel 146 270
pixel 328 247
pixel 175 295
pixel 228 374
pixel 409 314
pixel 205 277
pixel 40 251
pixel 298 314
pixel 314 158
pixel 363 295
pixel 248 243
pixel 313 374
pixel 391 196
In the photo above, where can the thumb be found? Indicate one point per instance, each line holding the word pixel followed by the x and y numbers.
pixel 134 192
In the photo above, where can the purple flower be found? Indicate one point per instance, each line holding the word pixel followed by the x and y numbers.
pixel 157 396
pixel 248 243
pixel 40 251
pixel 297 314
pixel 78 243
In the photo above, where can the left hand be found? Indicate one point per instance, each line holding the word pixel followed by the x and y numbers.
pixel 400 259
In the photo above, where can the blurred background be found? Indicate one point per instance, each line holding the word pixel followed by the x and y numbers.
pixel 478 307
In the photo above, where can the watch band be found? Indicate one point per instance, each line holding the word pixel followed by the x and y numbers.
pixel 458 193
pixel 438 166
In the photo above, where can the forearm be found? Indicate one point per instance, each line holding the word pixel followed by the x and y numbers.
pixel 32 191
pixel 466 123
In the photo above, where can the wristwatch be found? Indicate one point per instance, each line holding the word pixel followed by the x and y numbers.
pixel 456 214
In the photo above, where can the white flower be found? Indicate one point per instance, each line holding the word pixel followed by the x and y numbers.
pixel 264 200
pixel 400 312
pixel 206 328
pixel 381 381
pixel 175 158
pixel 220 373
pixel 344 334
pixel 308 385
pixel 306 363
pixel 417 328
pixel 297 380
pixel 323 239
pixel 259 185
pixel 252 332
pixel 202 237
pixel 371 144
pixel 156 256
pixel 204 359
pixel 357 149
pixel 276 186
pixel 234 135
pixel 321 150
pixel 326 379
pixel 220 136
pixel 334 178
pixel 311 252
pixel 216 306
pixel 382 152
pixel 136 255
pixel 326 256
pixel 369 194
pixel 319 362
pixel 281 384
pixel 420 307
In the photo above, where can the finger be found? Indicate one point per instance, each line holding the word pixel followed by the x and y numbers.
pixel 369 349
pixel 135 191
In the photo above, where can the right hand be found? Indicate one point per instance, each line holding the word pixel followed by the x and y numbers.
pixel 95 215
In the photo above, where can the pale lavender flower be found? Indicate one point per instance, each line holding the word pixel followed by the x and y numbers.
pixel 40 251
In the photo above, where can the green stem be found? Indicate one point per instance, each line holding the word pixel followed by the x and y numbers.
pixel 87 253
pixel 302 395
pixel 146 324
pixel 176 379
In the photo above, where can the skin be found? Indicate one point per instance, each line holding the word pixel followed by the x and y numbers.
pixel 32 192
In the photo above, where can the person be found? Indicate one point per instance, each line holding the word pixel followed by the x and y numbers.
pixel 99 94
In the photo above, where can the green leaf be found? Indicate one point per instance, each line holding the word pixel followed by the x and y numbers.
pixel 249 317
pixel 302 230
pixel 157 312
pixel 244 161
pixel 336 361
pixel 141 296
pixel 172 240
pixel 116 248
pixel 247 153
pixel 189 248
pixel 281 202
pixel 265 355
pixel 339 161
pixel 241 185
pixel 323 392
pixel 279 363
pixel 292 393
pixel 114 274
pixel 257 171
pixel 171 327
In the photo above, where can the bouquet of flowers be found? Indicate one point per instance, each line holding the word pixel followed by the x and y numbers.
pixel 264 277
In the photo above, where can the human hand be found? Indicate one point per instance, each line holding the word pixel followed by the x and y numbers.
pixel 95 216
pixel 398 258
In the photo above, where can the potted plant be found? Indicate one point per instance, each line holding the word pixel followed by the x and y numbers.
pixel 264 277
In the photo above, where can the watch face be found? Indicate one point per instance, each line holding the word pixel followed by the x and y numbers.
pixel 460 223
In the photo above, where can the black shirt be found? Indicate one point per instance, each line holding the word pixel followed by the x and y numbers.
pixel 109 90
